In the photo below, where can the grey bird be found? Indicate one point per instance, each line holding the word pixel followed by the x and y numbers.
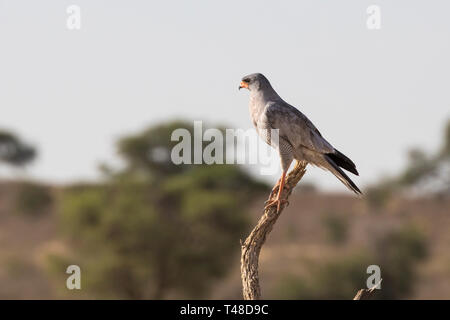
pixel 298 138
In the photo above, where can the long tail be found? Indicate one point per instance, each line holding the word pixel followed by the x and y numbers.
pixel 333 167
pixel 343 161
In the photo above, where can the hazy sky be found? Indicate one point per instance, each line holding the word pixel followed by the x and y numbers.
pixel 372 93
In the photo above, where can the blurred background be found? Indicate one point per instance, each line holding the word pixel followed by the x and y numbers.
pixel 86 117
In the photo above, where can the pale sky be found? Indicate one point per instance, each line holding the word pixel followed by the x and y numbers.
pixel 372 93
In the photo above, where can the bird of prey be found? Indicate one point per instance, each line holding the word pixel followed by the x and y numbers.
pixel 298 138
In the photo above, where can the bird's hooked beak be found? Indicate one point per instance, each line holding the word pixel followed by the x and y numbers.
pixel 243 85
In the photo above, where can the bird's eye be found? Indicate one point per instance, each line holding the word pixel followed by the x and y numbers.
pixel 246 80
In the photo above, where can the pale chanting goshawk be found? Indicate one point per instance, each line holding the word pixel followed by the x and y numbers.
pixel 298 138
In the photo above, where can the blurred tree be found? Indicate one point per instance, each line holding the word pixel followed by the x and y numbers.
pixel 156 229
pixel 13 151
pixel 337 279
pixel 435 168
pixel 427 173
pixel 419 167
pixel 397 254
pixel 149 152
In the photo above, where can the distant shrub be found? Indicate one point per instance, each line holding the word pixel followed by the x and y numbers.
pixel 397 254
pixel 339 279
pixel 336 227
pixel 33 199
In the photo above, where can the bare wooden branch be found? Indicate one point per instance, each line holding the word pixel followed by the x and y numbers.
pixel 366 294
pixel 251 247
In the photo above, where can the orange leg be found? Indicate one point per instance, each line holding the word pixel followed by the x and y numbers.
pixel 278 199
pixel 276 185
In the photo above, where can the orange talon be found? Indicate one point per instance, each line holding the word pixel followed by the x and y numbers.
pixel 278 201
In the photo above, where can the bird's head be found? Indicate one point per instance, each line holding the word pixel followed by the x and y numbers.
pixel 254 82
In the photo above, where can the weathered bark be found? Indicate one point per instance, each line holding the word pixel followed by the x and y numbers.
pixel 251 248
pixel 366 294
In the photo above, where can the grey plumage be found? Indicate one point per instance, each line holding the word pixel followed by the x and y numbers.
pixel 298 137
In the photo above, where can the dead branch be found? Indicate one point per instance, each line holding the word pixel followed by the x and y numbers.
pixel 366 294
pixel 251 248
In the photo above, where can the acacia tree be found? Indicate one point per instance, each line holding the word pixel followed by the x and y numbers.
pixel 155 229
pixel 429 173
pixel 15 152
pixel 436 167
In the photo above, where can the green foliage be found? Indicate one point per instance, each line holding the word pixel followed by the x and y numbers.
pixel 337 279
pixel 149 152
pixel 227 177
pixel 112 229
pixel 420 166
pixel 33 199
pixel 397 254
pixel 13 151
pixel 157 229
pixel 142 249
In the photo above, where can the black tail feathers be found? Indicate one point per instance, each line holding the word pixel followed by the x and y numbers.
pixel 343 161
pixel 341 174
